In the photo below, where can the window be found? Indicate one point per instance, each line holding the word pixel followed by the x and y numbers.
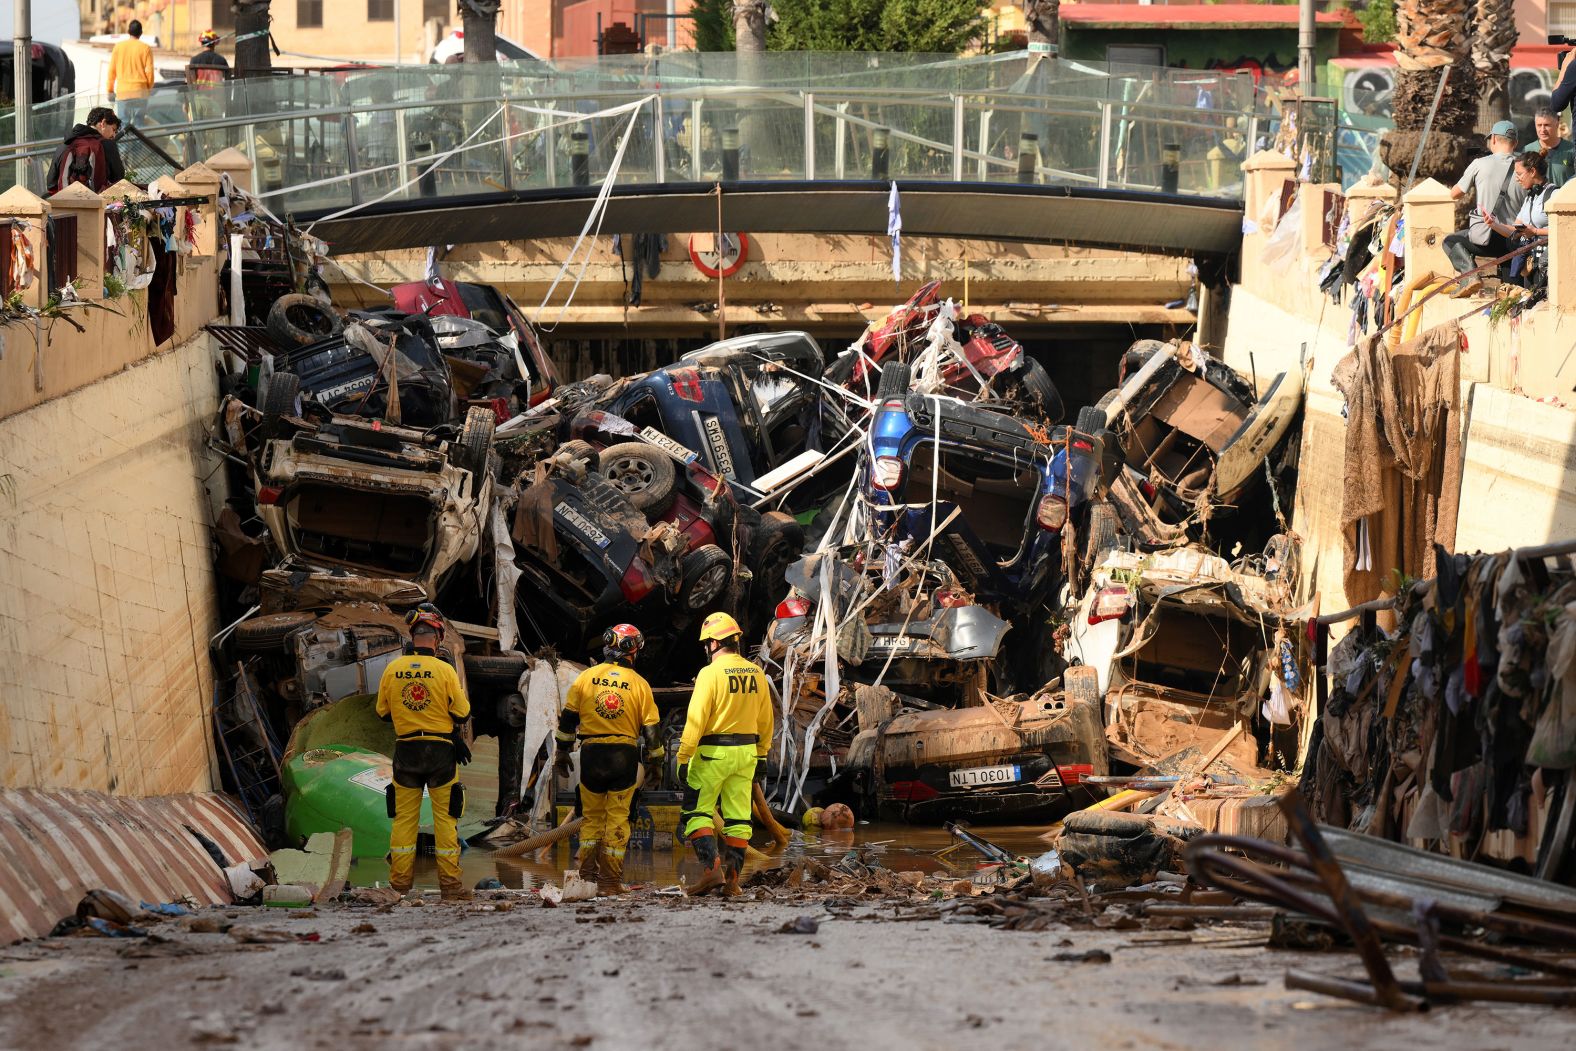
pixel 309 14
pixel 380 10
pixel 431 9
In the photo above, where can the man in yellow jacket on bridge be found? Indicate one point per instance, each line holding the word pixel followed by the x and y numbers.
pixel 726 737
pixel 421 694
pixel 131 75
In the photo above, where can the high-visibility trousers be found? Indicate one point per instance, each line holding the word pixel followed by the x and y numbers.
pixel 418 763
pixel 608 773
pixel 720 774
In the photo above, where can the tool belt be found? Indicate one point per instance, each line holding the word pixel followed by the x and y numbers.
pixel 731 739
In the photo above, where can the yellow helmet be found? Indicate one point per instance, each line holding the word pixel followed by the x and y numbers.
pixel 719 627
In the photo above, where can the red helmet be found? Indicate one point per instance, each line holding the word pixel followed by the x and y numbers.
pixel 623 638
pixel 424 619
pixel 208 38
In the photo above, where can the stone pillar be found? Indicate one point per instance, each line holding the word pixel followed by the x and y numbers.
pixel 1313 209
pixel 1562 248
pixel 236 165
pixel 1429 214
pixel 202 181
pixel 88 208
pixel 1263 175
pixel 29 211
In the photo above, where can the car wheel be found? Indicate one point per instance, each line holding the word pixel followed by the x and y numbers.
pixel 1091 419
pixel 475 442
pixel 267 633
pixel 579 450
pixel 643 473
pixel 299 319
pixel 1099 538
pixel 895 378
pixel 494 671
pixel 1036 383
pixel 1138 355
pixel 779 539
pixel 279 395
pixel 706 573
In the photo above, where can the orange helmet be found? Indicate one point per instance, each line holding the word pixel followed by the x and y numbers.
pixel 624 639
pixel 424 618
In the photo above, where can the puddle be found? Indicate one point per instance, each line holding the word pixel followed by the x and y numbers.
pixel 898 847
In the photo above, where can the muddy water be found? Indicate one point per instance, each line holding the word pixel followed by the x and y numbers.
pixel 899 847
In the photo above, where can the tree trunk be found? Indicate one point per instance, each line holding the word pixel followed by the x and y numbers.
pixel 1493 36
pixel 1431 36
pixel 749 35
pixel 479 21
pixel 1043 19
pixel 252 55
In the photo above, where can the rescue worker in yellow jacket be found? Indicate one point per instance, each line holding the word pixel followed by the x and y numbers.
pixel 421 694
pixel 610 709
pixel 727 735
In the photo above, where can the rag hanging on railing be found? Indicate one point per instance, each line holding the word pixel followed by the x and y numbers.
pixel 24 267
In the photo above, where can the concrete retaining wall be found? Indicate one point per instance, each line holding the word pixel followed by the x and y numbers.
pixel 107 596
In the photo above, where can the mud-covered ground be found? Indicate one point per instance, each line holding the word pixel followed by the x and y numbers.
pixel 649 971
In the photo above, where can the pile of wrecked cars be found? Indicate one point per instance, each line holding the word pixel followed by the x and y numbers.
pixel 974 602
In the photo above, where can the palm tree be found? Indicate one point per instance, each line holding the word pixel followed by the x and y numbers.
pixel 1431 37
pixel 252 55
pixel 1493 36
pixel 1043 18
pixel 479 21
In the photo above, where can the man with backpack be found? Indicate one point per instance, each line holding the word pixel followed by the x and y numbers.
pixel 89 155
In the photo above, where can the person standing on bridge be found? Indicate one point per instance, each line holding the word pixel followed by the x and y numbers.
pixel 610 708
pixel 727 735
pixel 131 75
pixel 421 694
pixel 206 74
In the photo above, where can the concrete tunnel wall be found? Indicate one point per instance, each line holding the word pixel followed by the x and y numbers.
pixel 107 591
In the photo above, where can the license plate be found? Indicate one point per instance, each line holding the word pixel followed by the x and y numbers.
pixel 717 438
pixel 981 776
pixel 582 525
pixel 682 453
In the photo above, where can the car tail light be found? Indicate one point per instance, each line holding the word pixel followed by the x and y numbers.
pixel 793 607
pixel 912 791
pixel 1082 445
pixel 1148 489
pixel 686 384
pixel 637 582
pixel 1110 603
pixel 269 494
pixel 1074 773
pixel 1052 512
pixel 500 408
pixel 888 473
pixel 951 598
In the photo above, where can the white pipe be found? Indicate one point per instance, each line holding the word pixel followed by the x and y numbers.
pixel 22 60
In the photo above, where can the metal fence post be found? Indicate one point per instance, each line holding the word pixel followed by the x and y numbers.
pixel 959 130
pixel 809 135
pixel 506 146
pixel 1105 145
pixel 982 169
pixel 401 154
pixel 840 153
pixel 350 149
pixel 695 154
pixel 659 137
pixel 550 149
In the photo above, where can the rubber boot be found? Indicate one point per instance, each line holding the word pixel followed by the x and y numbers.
pixel 732 865
pixel 610 880
pixel 711 868
pixel 453 890
pixel 401 888
pixel 591 862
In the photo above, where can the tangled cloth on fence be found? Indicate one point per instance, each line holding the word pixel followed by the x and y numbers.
pixel 1403 456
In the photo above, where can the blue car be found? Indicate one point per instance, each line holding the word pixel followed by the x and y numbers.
pixel 993 497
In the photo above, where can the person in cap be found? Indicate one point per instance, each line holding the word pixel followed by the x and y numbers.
pixel 1559 155
pixel 420 693
pixel 1497 197
pixel 609 710
pixel 727 734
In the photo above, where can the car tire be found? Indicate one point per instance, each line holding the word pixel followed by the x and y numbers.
pixel 706 572
pixel 895 378
pixel 1138 355
pixel 299 319
pixel 1041 391
pixel 280 394
pixel 1091 419
pixel 579 450
pixel 501 671
pixel 643 473
pixel 1081 684
pixel 1099 537
pixel 779 540
pixel 475 441
pixel 267 633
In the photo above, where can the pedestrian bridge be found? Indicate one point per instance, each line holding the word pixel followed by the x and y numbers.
pixel 995 147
